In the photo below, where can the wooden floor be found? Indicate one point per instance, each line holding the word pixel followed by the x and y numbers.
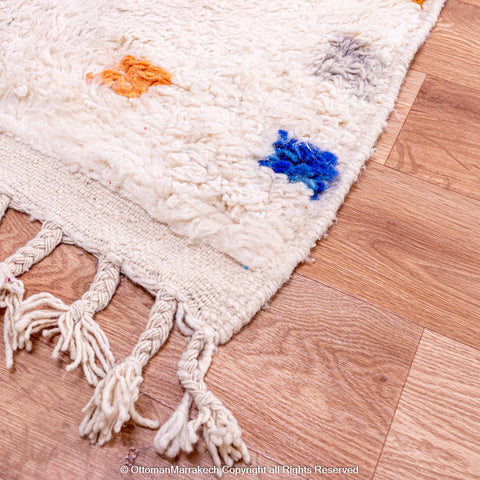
pixel 369 356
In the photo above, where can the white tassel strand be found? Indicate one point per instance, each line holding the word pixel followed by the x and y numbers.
pixel 80 334
pixel 12 290
pixel 11 294
pixel 177 434
pixel 32 317
pixel 114 399
pixel 221 431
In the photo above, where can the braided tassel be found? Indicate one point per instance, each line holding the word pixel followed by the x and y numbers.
pixel 221 431
pixel 113 402
pixel 12 289
pixel 80 335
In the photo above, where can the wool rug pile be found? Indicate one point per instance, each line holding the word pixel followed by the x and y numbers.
pixel 197 147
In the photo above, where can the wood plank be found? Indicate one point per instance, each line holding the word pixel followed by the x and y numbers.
pixel 411 86
pixel 452 51
pixel 410 247
pixel 440 141
pixel 316 377
pixel 305 369
pixel 436 428
pixel 41 409
pixel 41 402
pixel 302 376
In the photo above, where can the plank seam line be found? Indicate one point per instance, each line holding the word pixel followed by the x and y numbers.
pixel 396 406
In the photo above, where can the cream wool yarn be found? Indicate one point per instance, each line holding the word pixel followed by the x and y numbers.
pixel 220 429
pixel 113 402
pixel 12 290
pixel 78 333
pixel 167 188
pixel 240 72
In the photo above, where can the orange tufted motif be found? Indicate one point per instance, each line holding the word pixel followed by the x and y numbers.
pixel 133 77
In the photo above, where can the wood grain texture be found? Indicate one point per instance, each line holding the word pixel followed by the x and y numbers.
pixel 440 141
pixel 408 93
pixel 472 2
pixel 41 403
pixel 410 247
pixel 317 377
pixel 452 51
pixel 437 424
pixel 299 379
pixel 41 409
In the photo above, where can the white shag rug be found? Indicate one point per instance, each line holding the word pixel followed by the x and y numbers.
pixel 199 148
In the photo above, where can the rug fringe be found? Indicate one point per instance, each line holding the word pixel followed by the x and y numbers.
pixel 118 384
pixel 12 289
pixel 221 431
pixel 80 335
pixel 113 402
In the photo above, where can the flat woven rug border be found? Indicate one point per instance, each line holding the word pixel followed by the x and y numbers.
pixel 209 306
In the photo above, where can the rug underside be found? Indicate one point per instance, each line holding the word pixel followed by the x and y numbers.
pixel 201 150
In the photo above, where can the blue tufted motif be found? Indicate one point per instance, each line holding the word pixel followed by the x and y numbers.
pixel 302 162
